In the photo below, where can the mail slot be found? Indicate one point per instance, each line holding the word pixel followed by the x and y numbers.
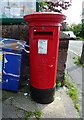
pixel 43 33
pixel 44 42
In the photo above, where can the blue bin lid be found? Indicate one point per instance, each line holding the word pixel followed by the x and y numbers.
pixel 12 44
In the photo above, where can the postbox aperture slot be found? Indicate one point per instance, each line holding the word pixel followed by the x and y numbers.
pixel 43 34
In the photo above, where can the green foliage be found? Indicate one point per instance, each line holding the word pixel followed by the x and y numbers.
pixel 78 61
pixel 76 28
pixel 38 114
pixel 58 84
pixel 77 106
pixel 82 30
pixel 68 83
pixel 28 114
pixel 42 4
pixel 79 38
pixel 50 6
pixel 72 91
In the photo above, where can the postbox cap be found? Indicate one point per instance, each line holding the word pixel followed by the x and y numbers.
pixel 44 18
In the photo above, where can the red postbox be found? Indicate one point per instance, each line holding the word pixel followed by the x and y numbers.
pixel 44 41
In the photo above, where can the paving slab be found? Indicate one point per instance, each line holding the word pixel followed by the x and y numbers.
pixel 61 107
pixel 11 111
pixel 76 75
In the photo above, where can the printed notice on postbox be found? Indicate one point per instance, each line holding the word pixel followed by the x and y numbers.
pixel 42 46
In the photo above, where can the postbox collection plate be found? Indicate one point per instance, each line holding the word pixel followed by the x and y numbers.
pixel 42 46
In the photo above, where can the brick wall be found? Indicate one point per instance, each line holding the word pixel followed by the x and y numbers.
pixel 20 32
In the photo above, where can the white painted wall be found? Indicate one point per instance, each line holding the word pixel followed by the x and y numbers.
pixel 17 9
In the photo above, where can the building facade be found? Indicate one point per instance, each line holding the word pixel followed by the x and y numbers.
pixel 14 9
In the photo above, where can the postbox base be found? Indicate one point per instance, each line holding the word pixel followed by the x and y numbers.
pixel 42 96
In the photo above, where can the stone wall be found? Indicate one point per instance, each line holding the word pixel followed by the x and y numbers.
pixel 62 57
pixel 20 32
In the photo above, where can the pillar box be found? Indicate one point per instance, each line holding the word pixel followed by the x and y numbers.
pixel 44 41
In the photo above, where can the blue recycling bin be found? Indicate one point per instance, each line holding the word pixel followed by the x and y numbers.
pixel 12 63
pixel 0 63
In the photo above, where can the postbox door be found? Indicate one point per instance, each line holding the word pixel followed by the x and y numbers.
pixel 43 56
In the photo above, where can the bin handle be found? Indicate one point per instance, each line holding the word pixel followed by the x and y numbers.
pixel 26 50
pixel 23 47
pixel 2 41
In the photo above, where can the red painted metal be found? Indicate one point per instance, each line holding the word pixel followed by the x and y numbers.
pixel 43 66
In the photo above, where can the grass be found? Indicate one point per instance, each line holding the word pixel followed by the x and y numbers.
pixel 78 61
pixel 72 91
pixel 28 114
pixel 36 113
